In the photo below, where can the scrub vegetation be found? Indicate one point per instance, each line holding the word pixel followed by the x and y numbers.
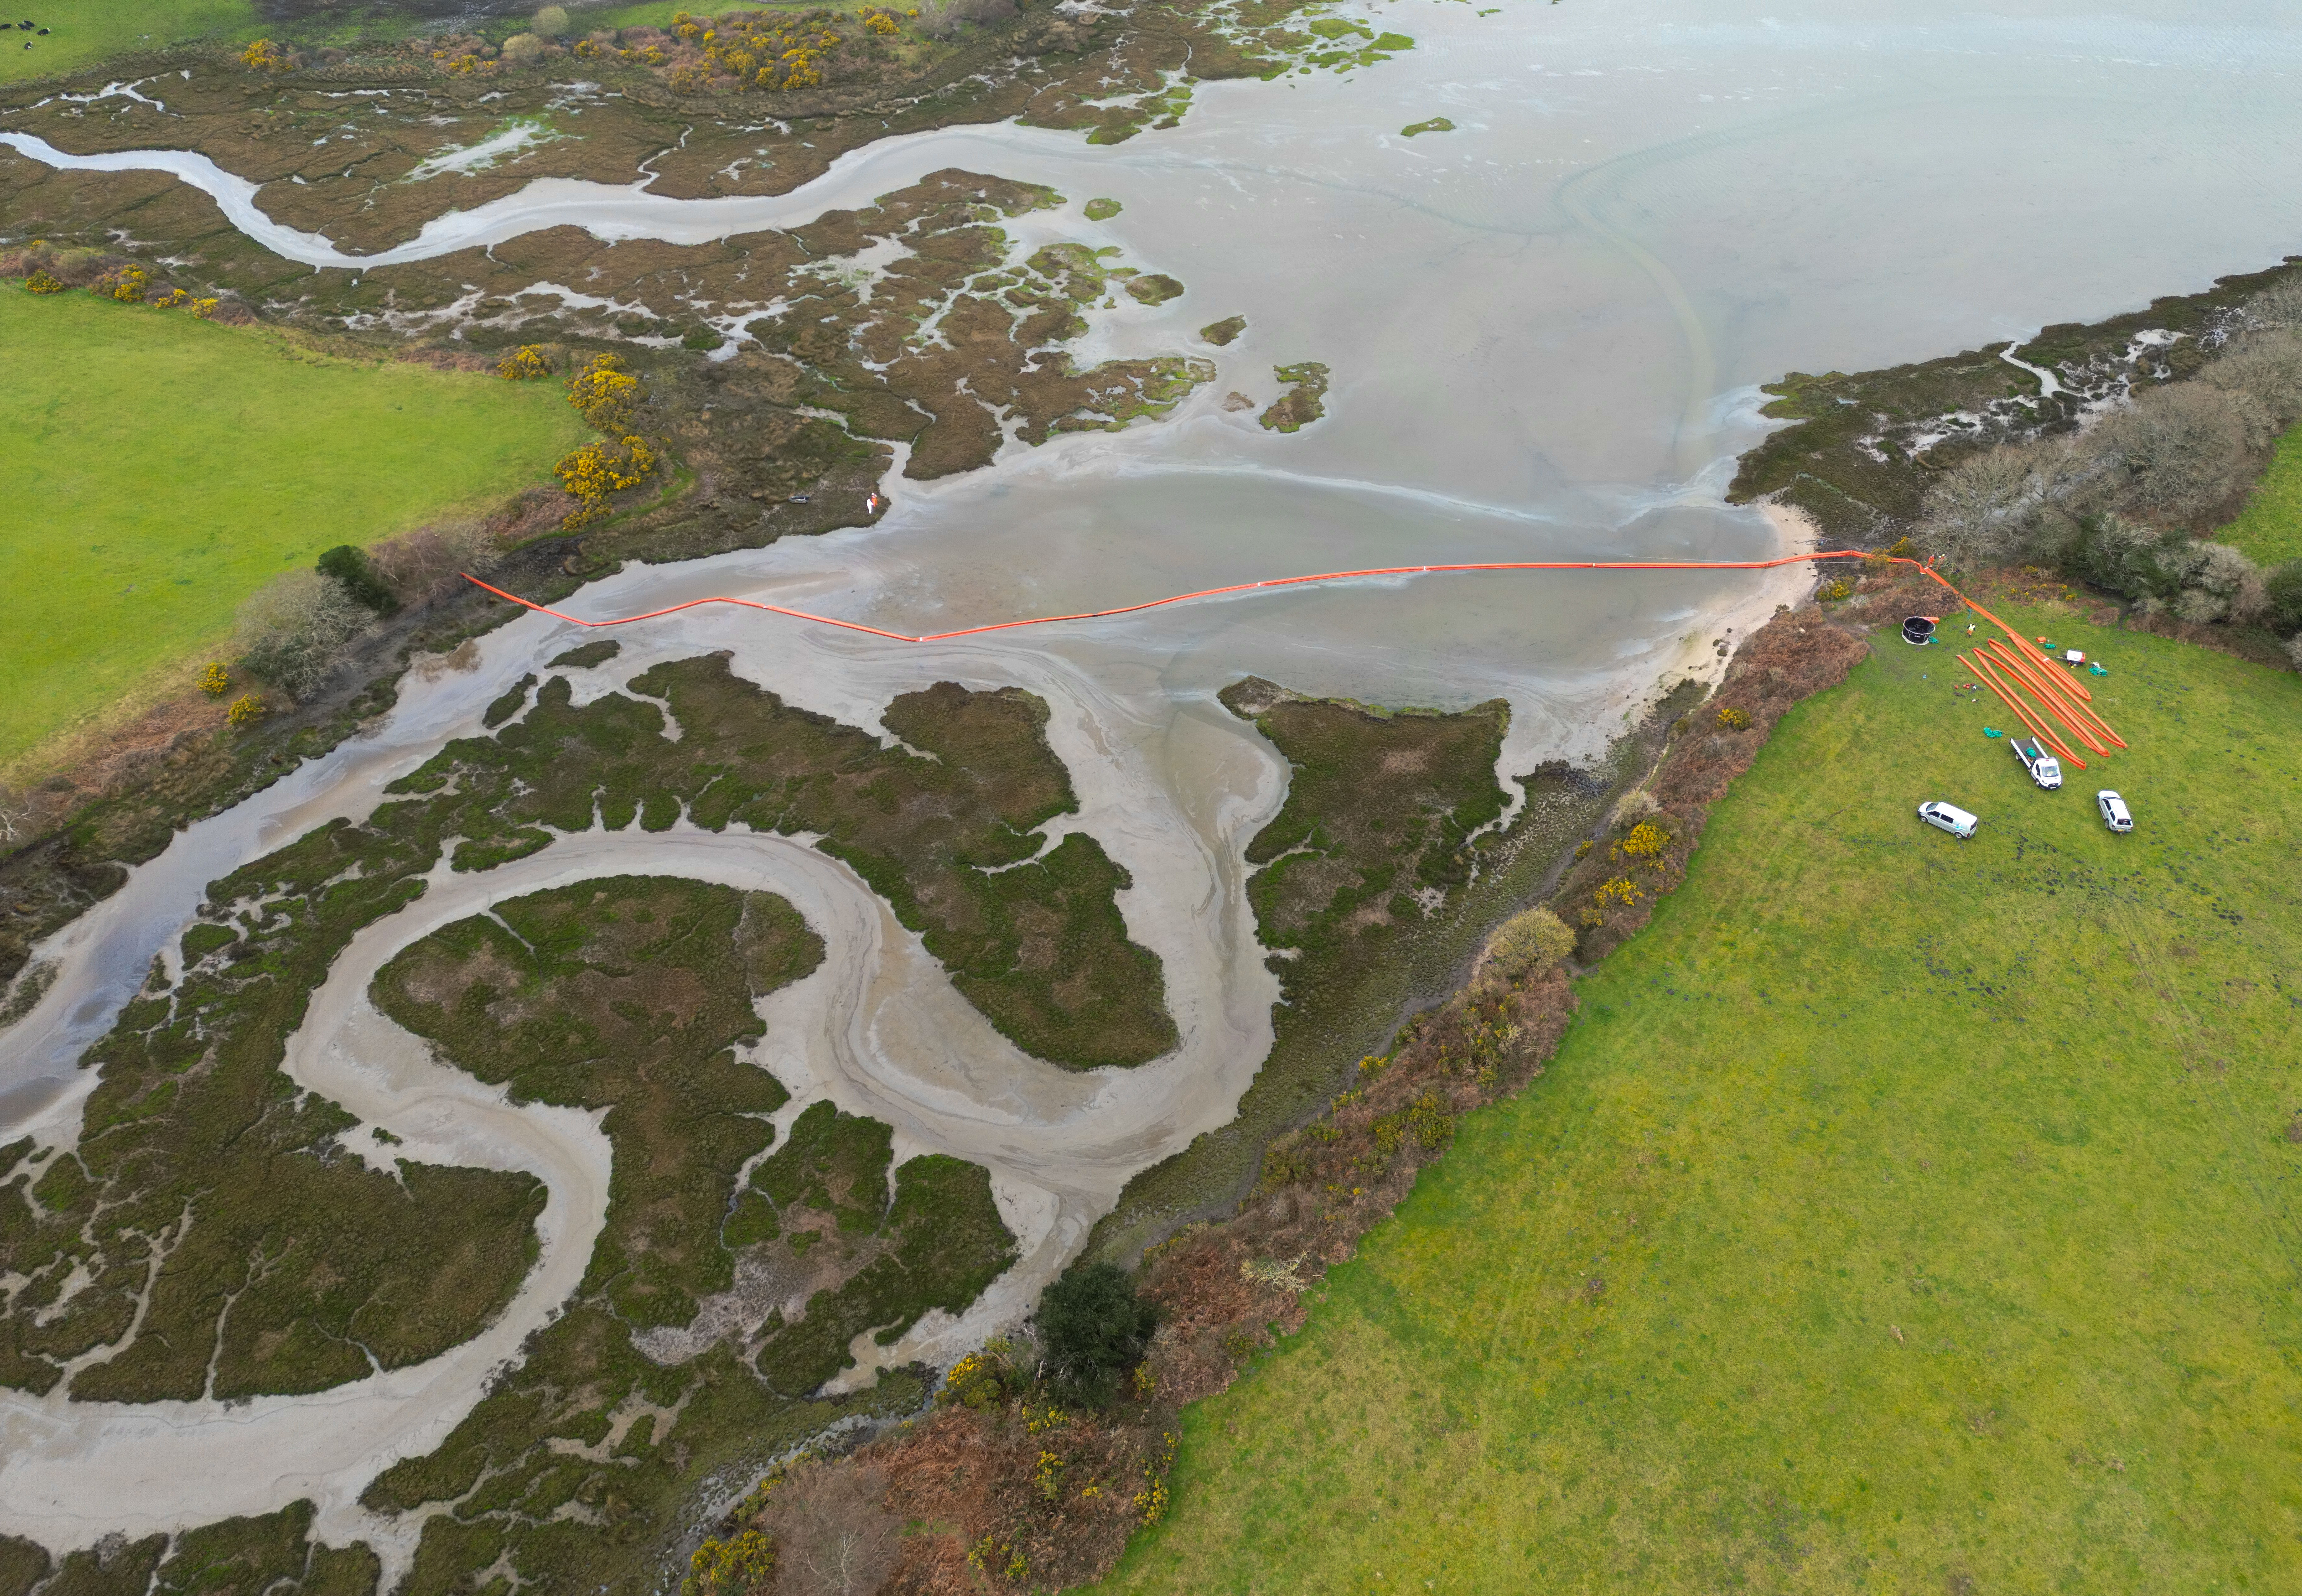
pixel 1898 1211
pixel 145 536
pixel 2121 505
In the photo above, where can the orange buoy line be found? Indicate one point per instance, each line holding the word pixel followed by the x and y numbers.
pixel 1268 584
pixel 2023 665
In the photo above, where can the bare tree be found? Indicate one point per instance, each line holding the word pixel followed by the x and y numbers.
pixel 834 1535
pixel 2182 449
pixel 294 628
pixel 418 562
pixel 2277 305
pixel 2263 372
pixel 1982 510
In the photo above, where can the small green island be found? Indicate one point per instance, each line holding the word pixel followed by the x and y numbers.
pixel 1103 210
pixel 1303 403
pixel 1437 124
pixel 1224 332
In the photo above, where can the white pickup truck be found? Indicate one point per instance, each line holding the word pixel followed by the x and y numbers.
pixel 2039 762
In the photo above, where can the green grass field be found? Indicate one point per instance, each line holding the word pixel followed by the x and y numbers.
pixel 161 468
pixel 1902 1214
pixel 2269 530
pixel 82 32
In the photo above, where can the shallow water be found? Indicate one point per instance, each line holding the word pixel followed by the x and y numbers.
pixel 1543 328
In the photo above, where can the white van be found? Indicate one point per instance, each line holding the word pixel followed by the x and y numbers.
pixel 1948 817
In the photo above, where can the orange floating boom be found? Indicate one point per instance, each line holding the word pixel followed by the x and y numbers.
pixel 2066 686
pixel 2024 663
pixel 2027 677
pixel 2037 727
pixel 2044 682
pixel 1929 572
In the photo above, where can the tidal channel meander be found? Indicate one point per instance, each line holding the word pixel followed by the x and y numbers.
pixel 1546 329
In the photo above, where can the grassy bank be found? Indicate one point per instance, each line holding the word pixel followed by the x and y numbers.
pixel 2269 530
pixel 1899 1215
pixel 165 467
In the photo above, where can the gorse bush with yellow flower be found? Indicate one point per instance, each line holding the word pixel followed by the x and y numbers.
pixel 1618 889
pixel 124 284
pixel 593 472
pixel 1645 840
pixel 742 52
pixel 744 1562
pixel 214 679
pixel 44 282
pixel 264 55
pixel 525 364
pixel 605 390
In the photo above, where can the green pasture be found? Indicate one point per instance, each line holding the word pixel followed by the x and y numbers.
pixel 161 468
pixel 2269 530
pixel 1900 1214
pixel 82 32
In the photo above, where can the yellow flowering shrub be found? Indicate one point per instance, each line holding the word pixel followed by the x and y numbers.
pixel 739 1564
pixel 264 57
pixel 1646 840
pixel 749 49
pixel 1048 1477
pixel 605 390
pixel 246 709
pixel 125 285
pixel 980 1379
pixel 1621 890
pixel 592 473
pixel 1734 720
pixel 204 308
pixel 214 680
pixel 881 23
pixel 169 301
pixel 1151 1501
pixel 44 282
pixel 986 1558
pixel 524 364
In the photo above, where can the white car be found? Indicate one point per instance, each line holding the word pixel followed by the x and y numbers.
pixel 1950 817
pixel 2115 813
